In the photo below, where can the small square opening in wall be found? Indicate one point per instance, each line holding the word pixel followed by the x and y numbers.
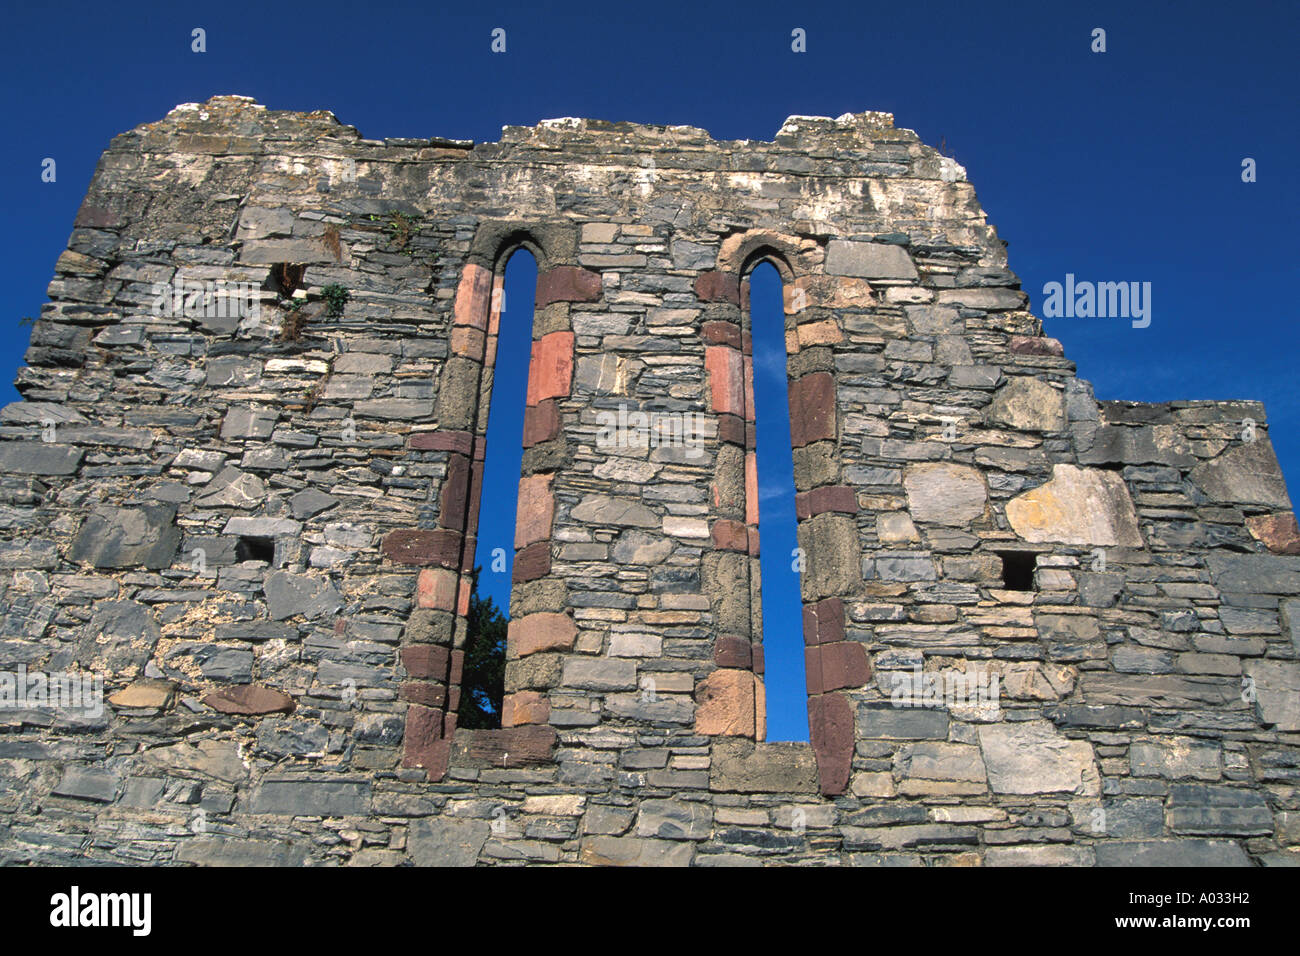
pixel 1018 570
pixel 255 549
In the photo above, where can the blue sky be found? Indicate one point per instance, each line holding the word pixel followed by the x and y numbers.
pixel 1117 166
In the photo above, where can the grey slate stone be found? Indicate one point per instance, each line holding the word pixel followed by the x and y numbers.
pixel 224 663
pixel 241 422
pixel 304 796
pixel 1244 474
pixel 1255 573
pixel 1192 853
pixel 288 595
pixel 128 537
pixel 310 502
pixel 1214 811
pixel 122 633
pixel 38 458
pixel 234 852
pixel 868 260
pixel 901 723
pixel 291 738
pixel 674 819
pixel 446 841
pixel 88 783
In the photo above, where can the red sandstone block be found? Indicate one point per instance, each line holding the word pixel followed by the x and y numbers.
pixel 455 493
pixel 462 599
pixel 823 622
pixel 830 725
pixel 731 429
pixel 726 379
pixel 426 661
pixel 535 511
pixel 550 371
pixel 837 498
pixel 756 651
pixel 532 562
pixel 249 700
pixel 567 284
pixel 812 670
pixel 426 693
pixel 419 547
pixel 1034 345
pixel 751 534
pixel 732 651
pixel 721 333
pixel 472 297
pixel 541 423
pixel 474 498
pixel 717 287
pixel 457 670
pixel 423 744
pixel 843 665
pixel 462 442
pixel 436 588
pixel 509 746
pixel 729 535
pixel 812 409
pixel 525 707
pixel 541 631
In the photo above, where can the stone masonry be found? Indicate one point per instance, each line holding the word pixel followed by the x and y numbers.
pixel 257 526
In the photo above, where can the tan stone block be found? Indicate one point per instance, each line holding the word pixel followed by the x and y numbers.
pixel 1077 506
pixel 726 704
pixel 877 784
pixel 525 707
pixel 543 631
pixel 144 694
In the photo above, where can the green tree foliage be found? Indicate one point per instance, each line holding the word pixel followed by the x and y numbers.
pixel 483 682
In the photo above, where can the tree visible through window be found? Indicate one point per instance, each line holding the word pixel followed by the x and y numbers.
pixel 485 646
pixel 483 682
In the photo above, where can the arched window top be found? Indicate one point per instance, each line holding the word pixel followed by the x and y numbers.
pixel 551 244
pixel 512 244
pixel 793 256
pixel 772 256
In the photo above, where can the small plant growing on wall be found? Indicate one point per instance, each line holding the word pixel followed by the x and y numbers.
pixel 336 297
pixel 295 317
pixel 400 227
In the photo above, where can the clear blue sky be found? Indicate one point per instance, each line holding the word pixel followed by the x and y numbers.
pixel 1114 166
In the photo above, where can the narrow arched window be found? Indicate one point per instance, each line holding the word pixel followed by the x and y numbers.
pixel 505 384
pixel 779 624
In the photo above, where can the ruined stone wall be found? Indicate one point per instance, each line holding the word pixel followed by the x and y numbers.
pixel 257 527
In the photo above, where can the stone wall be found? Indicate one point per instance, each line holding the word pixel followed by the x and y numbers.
pixel 257 526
